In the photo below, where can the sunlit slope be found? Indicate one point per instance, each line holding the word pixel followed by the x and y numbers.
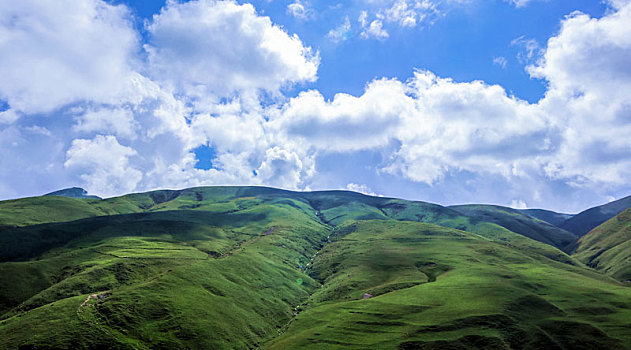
pixel 516 221
pixel 49 209
pixel 391 284
pixel 171 279
pixel 331 207
pixel 45 209
pixel 228 267
pixel 608 247
pixel 337 207
pixel 585 221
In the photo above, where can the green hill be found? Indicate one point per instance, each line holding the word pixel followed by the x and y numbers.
pixel 514 220
pixel 255 267
pixel 608 247
pixel 551 217
pixel 587 220
pixel 73 192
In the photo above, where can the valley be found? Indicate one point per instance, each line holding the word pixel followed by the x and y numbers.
pixel 262 268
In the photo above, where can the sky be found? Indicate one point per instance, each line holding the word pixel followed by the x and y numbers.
pixel 523 103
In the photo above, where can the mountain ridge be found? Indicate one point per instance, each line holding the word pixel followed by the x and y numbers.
pixel 256 267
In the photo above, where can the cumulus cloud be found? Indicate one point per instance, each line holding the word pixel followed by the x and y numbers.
pixel 361 188
pixel 283 168
pixel 518 204
pixel 118 121
pixel 104 164
pixel 439 125
pixel 61 52
pixel 589 75
pixel 220 47
pixel 121 124
pixel 346 123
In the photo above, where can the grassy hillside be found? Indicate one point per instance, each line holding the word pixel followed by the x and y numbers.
pixel 39 210
pixel 254 267
pixel 389 284
pixel 608 247
pixel 551 217
pixel 73 192
pixel 159 280
pixel 514 220
pixel 587 220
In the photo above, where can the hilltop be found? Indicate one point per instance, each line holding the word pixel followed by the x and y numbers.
pixel 256 267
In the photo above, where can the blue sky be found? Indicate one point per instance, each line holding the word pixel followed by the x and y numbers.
pixel 520 103
pixel 462 42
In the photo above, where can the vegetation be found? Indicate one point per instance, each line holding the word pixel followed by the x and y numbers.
pixel 587 220
pixel 556 219
pixel 252 267
pixel 516 221
pixel 608 247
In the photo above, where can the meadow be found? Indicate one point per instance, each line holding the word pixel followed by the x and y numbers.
pixel 253 267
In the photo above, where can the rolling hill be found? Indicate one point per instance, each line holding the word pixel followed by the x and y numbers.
pixel 551 217
pixel 73 192
pixel 608 247
pixel 585 221
pixel 255 267
pixel 514 220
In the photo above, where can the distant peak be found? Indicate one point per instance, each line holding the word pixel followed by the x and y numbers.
pixel 72 192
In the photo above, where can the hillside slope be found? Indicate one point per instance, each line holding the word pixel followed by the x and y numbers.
pixel 587 220
pixel 514 220
pixel 608 247
pixel 407 285
pixel 255 267
pixel 73 192
pixel 551 217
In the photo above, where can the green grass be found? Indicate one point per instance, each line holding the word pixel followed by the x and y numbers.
pixel 516 221
pixel 254 267
pixel 483 291
pixel 608 247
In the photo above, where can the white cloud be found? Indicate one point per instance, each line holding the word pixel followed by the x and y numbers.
pixel 500 61
pixel 283 168
pixel 439 125
pixel 375 30
pixel 521 3
pixel 60 52
pixel 300 9
pixel 518 204
pixel 426 130
pixel 589 76
pixel 409 13
pixel 346 123
pixel 104 165
pixel 341 32
pixel 404 13
pixel 8 116
pixel 118 121
pixel 221 47
pixel 530 50
pixel 361 188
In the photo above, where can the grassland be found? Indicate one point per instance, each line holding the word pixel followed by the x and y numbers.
pixel 251 267
pixel 608 247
